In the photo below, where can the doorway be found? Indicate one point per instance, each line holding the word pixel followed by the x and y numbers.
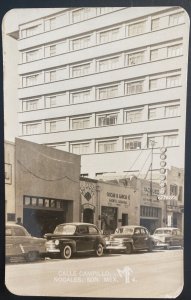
pixel 88 215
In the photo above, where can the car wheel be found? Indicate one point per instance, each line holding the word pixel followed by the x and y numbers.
pixel 99 250
pixel 32 256
pixel 128 249
pixel 66 252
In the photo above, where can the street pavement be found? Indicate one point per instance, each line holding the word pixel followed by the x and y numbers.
pixel 158 274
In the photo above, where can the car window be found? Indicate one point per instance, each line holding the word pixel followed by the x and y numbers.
pixel 93 230
pixel 167 231
pixel 137 231
pixel 83 229
pixel 8 232
pixel 19 232
pixel 65 229
pixel 124 230
pixel 143 231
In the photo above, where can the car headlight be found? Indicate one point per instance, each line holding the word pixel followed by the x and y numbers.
pixel 56 242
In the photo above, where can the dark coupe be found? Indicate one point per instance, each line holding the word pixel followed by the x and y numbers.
pixel 70 238
pixel 130 238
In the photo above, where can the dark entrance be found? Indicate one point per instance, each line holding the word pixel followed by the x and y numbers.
pixel 150 224
pixel 124 219
pixel 40 221
pixel 88 215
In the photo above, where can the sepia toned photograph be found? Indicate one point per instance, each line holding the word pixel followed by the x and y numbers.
pixel 95 125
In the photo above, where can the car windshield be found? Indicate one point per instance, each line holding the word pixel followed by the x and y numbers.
pixel 162 231
pixel 65 229
pixel 124 230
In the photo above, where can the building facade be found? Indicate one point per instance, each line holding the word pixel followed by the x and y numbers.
pixel 47 186
pixel 105 83
pixel 108 205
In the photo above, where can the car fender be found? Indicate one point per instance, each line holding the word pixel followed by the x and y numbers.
pixel 63 242
pixel 128 240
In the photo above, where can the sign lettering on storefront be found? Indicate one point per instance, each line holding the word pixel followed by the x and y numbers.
pixel 118 199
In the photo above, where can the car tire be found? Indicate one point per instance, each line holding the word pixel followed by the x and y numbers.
pixel 128 249
pixel 32 256
pixel 99 250
pixel 66 252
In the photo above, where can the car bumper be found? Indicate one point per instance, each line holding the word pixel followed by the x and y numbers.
pixel 53 250
pixel 161 244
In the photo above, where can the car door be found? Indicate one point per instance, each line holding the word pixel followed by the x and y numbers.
pixel 83 241
pixel 144 240
pixel 93 236
pixel 176 238
pixel 137 238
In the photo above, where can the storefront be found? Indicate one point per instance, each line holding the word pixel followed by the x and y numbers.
pixel 47 187
pixel 151 209
pixel 108 205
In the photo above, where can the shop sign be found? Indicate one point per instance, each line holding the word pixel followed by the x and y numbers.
pixel 118 199
pixel 147 190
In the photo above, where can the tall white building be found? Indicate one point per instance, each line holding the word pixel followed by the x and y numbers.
pixel 104 83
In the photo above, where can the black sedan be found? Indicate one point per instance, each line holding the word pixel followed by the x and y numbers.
pixel 70 238
pixel 130 238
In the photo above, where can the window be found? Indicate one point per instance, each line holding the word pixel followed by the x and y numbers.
pixel 132 143
pixel 173 81
pixel 32 128
pixel 81 14
pixel 50 24
pixel 55 49
pixel 30 80
pixel 80 148
pixel 173 189
pixel 174 50
pixel 154 54
pixel 108 64
pixel 81 43
pixel 152 113
pixel 153 84
pixel 155 24
pixel 54 125
pixel 137 28
pixel 109 35
pixel 30 105
pixel 81 70
pixel 154 142
pixel 171 140
pixel 55 100
pixel 107 92
pixel 176 19
pixel 107 146
pixel 133 115
pixel 105 10
pixel 172 111
pixel 135 58
pixel 108 119
pixel 134 87
pixel 31 55
pixel 93 230
pixel 54 75
pixel 19 232
pixel 33 30
pixel 80 123
pixel 79 97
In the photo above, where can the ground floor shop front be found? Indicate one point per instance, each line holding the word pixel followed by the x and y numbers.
pixel 108 205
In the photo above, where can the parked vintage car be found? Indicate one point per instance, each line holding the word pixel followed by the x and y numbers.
pixel 18 242
pixel 70 238
pixel 130 238
pixel 168 237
